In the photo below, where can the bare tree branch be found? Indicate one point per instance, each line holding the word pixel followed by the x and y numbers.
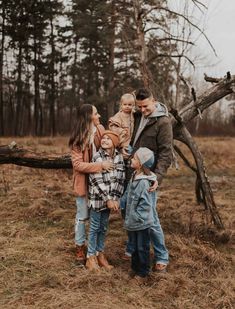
pixel 186 161
pixel 203 190
pixel 197 3
pixel 175 39
pixel 160 8
pixel 171 56
pixel 211 79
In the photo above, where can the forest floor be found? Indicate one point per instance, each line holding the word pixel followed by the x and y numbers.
pixel 37 255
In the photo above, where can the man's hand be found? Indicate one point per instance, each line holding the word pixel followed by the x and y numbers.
pixel 154 186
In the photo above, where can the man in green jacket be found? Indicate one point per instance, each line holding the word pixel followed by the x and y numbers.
pixel 153 129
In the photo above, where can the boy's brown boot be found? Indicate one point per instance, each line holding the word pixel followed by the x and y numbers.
pixel 102 261
pixel 81 253
pixel 92 264
pixel 159 268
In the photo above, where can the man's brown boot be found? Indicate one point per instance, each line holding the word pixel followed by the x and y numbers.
pixel 92 264
pixel 81 253
pixel 102 261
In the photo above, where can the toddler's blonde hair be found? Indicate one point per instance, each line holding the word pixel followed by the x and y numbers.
pixel 127 96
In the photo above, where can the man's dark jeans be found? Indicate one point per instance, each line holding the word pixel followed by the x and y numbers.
pixel 140 259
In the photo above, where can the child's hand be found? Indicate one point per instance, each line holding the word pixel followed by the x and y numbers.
pixel 110 204
pixel 107 166
pixel 113 205
pixel 116 206
pixel 154 186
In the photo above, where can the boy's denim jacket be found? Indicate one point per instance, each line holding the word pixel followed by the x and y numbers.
pixel 139 203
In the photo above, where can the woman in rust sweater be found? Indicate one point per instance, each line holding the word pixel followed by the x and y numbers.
pixel 84 142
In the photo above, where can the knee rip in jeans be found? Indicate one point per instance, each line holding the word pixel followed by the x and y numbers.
pixel 81 221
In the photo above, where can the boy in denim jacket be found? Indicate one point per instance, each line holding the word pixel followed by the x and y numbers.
pixel 140 205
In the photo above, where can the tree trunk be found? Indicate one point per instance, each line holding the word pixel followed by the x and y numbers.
pixel 110 73
pixel 203 190
pixel 19 92
pixel 1 71
pixel 52 81
pixel 12 154
pixel 142 48
pixel 221 89
pixel 75 96
pixel 36 87
pixel 197 106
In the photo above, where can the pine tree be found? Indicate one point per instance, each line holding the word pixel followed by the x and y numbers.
pixel 3 8
pixel 18 31
pixel 53 10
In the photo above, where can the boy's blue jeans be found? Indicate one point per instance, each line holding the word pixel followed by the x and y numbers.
pixel 157 239
pixel 97 231
pixel 81 216
pixel 140 259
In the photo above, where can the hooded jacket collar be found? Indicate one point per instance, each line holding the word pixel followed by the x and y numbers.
pixel 151 177
pixel 161 110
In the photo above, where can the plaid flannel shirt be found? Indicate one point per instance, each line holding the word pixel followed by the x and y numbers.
pixel 107 185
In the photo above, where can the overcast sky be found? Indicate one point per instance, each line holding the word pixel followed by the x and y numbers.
pixel 219 26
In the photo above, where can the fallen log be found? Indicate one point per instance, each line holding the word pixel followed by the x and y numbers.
pixel 14 154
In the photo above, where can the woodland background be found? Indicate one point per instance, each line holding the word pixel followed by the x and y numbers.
pixel 56 55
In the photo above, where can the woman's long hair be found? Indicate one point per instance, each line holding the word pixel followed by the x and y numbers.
pixel 82 128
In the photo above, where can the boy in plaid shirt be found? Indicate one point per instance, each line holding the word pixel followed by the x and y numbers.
pixel 105 190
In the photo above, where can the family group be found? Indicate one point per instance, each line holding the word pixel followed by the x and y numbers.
pixel 121 168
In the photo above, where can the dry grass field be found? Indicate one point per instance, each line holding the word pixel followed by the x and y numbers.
pixel 37 261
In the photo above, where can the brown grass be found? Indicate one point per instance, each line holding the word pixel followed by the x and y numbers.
pixel 38 268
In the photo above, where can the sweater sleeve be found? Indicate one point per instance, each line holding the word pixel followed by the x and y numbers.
pixel 84 167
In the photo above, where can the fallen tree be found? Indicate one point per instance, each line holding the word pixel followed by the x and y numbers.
pixel 14 154
pixel 204 195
